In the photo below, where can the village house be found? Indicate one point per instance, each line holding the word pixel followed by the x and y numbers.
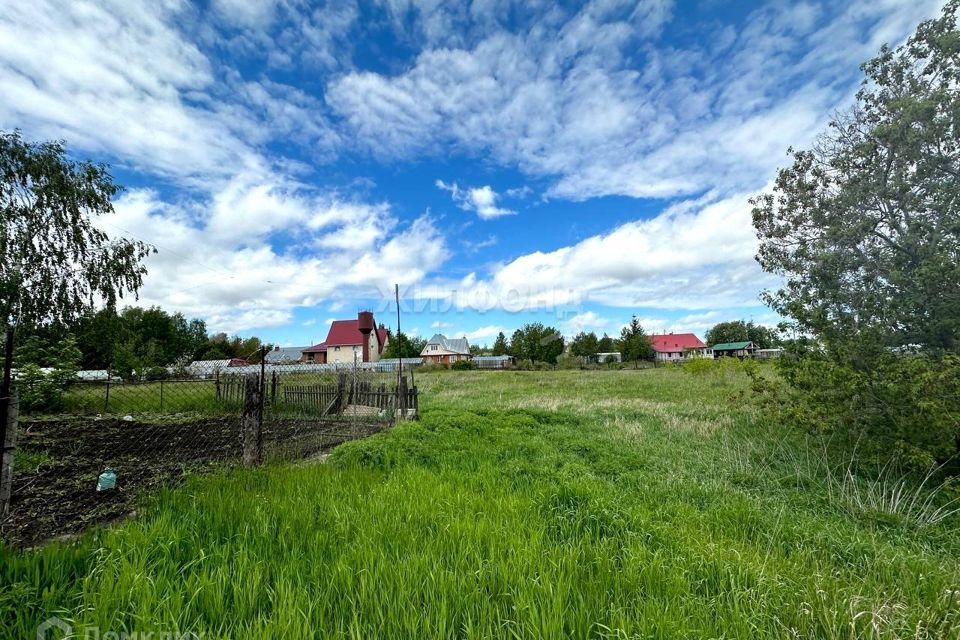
pixel 344 339
pixel 443 350
pixel 678 346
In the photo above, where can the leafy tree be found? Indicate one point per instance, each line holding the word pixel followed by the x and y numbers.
pixel 606 344
pixel 865 227
pixel 404 346
pixel 864 230
pixel 740 331
pixel 517 348
pixel 54 262
pixel 500 347
pixel 537 343
pixel 634 343
pixel 584 345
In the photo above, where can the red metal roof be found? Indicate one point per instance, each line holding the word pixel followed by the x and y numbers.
pixel 672 342
pixel 317 348
pixel 347 332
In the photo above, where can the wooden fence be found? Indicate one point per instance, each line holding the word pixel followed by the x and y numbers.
pixel 325 399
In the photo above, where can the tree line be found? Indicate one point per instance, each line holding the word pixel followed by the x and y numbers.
pixel 133 341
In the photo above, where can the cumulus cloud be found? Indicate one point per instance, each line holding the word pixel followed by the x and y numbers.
pixel 694 255
pixel 481 200
pixel 240 281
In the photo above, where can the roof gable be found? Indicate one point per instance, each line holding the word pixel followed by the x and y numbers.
pixel 347 332
pixel 453 345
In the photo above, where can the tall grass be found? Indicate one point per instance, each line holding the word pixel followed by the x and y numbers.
pixel 539 504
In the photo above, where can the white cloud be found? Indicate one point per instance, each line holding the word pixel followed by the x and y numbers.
pixel 122 78
pixel 482 200
pixel 240 281
pixel 440 325
pixel 695 255
pixel 485 334
pixel 586 101
pixel 587 321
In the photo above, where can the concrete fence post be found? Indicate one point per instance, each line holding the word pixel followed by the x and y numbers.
pixel 9 451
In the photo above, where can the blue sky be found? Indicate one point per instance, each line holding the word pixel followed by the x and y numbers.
pixel 570 163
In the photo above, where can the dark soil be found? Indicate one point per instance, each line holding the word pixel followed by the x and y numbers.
pixel 59 498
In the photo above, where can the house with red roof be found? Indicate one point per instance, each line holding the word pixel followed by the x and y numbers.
pixel 678 346
pixel 346 338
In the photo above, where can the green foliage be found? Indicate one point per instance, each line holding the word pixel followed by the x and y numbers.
pixel 864 229
pixel 905 407
pixel 42 389
pixel 403 346
pixel 56 261
pixel 537 343
pixel 500 347
pixel 606 344
pixel 462 365
pixel 739 331
pixel 584 345
pixel 634 343
pixel 699 366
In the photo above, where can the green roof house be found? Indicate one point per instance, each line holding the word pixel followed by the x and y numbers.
pixel 735 349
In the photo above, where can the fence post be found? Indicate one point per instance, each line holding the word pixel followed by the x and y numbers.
pixel 273 388
pixel 161 395
pixel 216 383
pixel 9 450
pixel 252 421
pixel 106 396
pixel 341 389
pixel 402 392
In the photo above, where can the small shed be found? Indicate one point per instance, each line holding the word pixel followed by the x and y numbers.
pixel 734 349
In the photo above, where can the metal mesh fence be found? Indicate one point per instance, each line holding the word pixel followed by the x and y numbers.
pixel 150 431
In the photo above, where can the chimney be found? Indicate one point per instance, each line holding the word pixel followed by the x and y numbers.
pixel 365 324
pixel 276 347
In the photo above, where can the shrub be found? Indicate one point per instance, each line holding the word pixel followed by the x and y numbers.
pixel 905 407
pixel 157 373
pixel 699 366
pixel 462 365
pixel 39 390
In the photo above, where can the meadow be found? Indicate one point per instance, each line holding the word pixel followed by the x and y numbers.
pixel 547 504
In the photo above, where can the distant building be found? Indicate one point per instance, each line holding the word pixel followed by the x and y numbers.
pixel 734 349
pixel 678 346
pixel 209 368
pixel 284 355
pixel 611 356
pixel 494 362
pixel 766 354
pixel 443 350
pixel 344 339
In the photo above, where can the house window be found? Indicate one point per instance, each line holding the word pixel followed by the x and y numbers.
pixel 336 348
pixel 433 347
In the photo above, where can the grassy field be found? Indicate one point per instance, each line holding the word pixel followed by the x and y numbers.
pixel 616 504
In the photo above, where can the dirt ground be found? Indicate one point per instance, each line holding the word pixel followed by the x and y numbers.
pixel 57 496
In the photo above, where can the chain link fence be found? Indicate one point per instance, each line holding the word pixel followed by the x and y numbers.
pixel 150 432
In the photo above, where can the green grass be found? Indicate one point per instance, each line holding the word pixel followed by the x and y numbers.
pixel 543 504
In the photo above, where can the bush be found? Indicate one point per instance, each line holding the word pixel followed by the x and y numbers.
pixel 157 373
pixel 462 365
pixel 904 407
pixel 40 391
pixel 699 366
